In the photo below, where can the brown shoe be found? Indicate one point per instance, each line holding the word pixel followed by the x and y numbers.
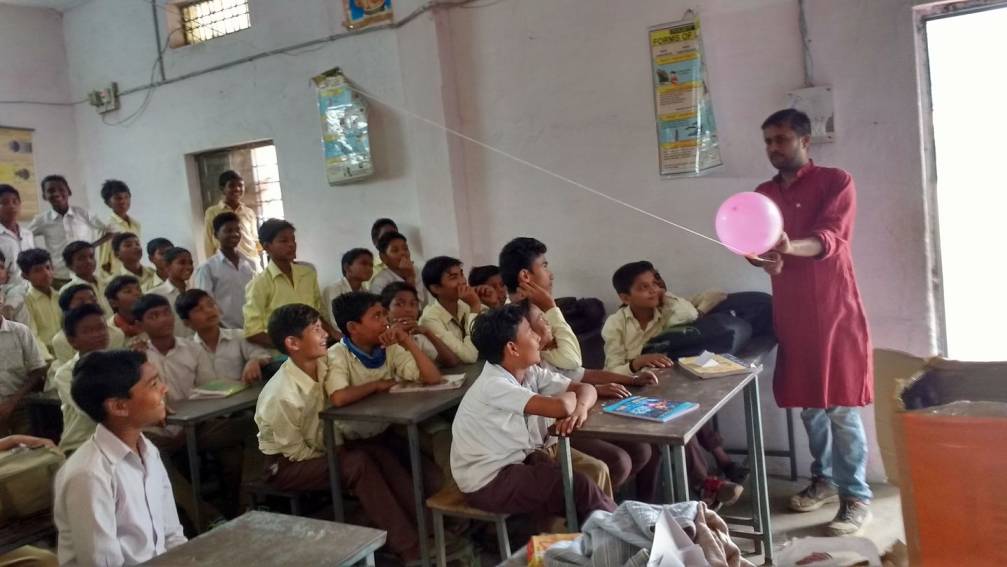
pixel 717 493
pixel 817 494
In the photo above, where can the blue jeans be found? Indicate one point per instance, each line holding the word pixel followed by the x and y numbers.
pixel 838 446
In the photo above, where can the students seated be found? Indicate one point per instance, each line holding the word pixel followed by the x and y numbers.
pixel 393 248
pixel 56 228
pixel 379 228
pixel 79 257
pixel 179 262
pixel 226 273
pixel 155 251
pixel 489 276
pixel 232 188
pixel 358 267
pixel 22 370
pixel 525 272
pixel 41 300
pixel 644 315
pixel 122 292
pixel 234 358
pixel 282 282
pixel 117 197
pixel 402 303
pixel 14 236
pixel 625 459
pixel 454 307
pixel 502 457
pixel 290 432
pixel 87 332
pixel 128 252
pixel 71 297
pixel 113 501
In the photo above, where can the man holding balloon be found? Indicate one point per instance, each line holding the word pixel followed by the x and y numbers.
pixel 798 227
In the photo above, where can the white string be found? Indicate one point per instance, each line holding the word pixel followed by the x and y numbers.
pixel 534 166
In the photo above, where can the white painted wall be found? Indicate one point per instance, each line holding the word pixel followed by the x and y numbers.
pixel 565 84
pixel 33 67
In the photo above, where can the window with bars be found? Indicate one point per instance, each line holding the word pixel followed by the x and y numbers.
pixel 207 19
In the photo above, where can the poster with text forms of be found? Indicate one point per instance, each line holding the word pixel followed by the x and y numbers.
pixel 17 167
pixel 346 143
pixel 686 130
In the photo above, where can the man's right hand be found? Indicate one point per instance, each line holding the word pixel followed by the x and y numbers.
pixel 652 360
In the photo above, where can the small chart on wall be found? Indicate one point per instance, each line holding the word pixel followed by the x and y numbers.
pixel 17 167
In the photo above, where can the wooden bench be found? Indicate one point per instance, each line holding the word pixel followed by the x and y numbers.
pixel 259 491
pixel 450 502
pixel 26 531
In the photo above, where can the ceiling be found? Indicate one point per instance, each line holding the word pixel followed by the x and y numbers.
pixel 60 5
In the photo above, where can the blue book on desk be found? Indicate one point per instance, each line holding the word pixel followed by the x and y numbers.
pixel 651 409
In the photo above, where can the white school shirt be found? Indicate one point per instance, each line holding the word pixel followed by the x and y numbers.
pixel 333 291
pixel 168 291
pixel 380 281
pixel 233 353
pixel 20 353
pixel 491 430
pixel 12 243
pixel 54 231
pixel 114 506
pixel 226 283
pixel 182 368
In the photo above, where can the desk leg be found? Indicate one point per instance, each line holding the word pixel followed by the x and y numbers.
pixel 370 559
pixel 194 480
pixel 333 459
pixel 757 456
pixel 681 474
pixel 417 466
pixel 566 470
pixel 667 475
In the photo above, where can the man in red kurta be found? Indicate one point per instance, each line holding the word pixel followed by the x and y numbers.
pixel 824 361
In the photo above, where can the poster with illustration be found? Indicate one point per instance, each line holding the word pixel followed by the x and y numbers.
pixel 686 130
pixel 17 167
pixel 346 143
pixel 362 13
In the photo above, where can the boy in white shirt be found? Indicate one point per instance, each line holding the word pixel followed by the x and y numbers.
pixel 226 274
pixel 113 500
pixel 179 262
pixel 502 457
pixel 22 370
pixel 56 228
pixel 128 252
pixel 234 358
pixel 393 249
pixel 358 268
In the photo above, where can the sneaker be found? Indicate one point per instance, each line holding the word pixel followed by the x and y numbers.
pixel 852 516
pixel 819 493
pixel 717 493
pixel 736 473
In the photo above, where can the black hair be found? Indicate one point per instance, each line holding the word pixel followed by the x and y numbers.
pixel 290 320
pixel 73 248
pixel 378 225
pixel 156 244
pixel 790 118
pixel 5 189
pixel 117 284
pixel 147 302
pixel 118 239
pixel 73 317
pixel 172 254
pixel 32 257
pixel 352 255
pixel 187 301
pixel 3 258
pixel 272 228
pixel 351 307
pixel 53 177
pixel 102 375
pixel 223 218
pixel 492 330
pixel 479 275
pixel 66 295
pixel 387 238
pixel 227 177
pixel 111 188
pixel 434 270
pixel 623 278
pixel 518 254
pixel 391 290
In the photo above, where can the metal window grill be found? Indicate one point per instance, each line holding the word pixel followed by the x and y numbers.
pixel 207 19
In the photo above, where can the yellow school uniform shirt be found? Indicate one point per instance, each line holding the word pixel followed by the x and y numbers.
pixel 249 244
pixel 77 426
pixel 455 333
pixel 345 370
pixel 148 276
pixel 625 338
pixel 46 316
pixel 286 413
pixel 566 355
pixel 116 224
pixel 272 289
pixel 99 289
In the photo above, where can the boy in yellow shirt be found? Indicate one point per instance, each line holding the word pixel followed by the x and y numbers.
pixel 117 197
pixel 454 308
pixel 378 229
pixel 41 300
pixel 232 188
pixel 180 268
pixel 155 251
pixel 403 306
pixel 86 330
pixel 79 258
pixel 128 252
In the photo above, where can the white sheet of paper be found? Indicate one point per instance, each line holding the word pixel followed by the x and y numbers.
pixel 706 359
pixel 672 546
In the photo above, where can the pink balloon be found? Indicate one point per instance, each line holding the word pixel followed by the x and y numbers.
pixel 749 223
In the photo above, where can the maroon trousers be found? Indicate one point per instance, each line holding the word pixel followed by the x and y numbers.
pixel 626 460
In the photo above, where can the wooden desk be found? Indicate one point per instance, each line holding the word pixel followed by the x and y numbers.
pixel 264 538
pixel 711 394
pixel 189 414
pixel 408 409
pixel 26 531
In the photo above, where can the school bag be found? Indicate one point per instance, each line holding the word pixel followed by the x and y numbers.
pixel 26 481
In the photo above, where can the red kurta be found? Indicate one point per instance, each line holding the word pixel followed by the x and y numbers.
pixel 824 358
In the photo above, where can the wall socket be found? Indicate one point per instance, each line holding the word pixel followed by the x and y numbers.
pixel 106 100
